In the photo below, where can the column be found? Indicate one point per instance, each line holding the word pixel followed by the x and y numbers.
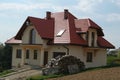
pixel 23 57
pixel 42 57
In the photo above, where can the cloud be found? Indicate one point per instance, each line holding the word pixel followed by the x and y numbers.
pixel 113 17
pixel 20 6
pixel 117 2
pixel 82 5
pixel 87 5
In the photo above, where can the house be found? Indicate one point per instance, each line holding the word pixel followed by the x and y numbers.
pixel 59 34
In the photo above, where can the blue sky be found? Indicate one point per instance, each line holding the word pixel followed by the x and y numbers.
pixel 105 13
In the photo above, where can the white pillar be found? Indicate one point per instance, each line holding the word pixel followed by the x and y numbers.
pixel 42 57
pixel 23 57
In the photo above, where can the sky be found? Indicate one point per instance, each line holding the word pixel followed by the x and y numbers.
pixel 106 13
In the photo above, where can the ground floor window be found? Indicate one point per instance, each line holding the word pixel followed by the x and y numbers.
pixel 58 54
pixel 27 54
pixel 18 53
pixel 89 57
pixel 35 54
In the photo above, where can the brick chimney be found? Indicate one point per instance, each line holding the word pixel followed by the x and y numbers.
pixel 65 14
pixel 48 15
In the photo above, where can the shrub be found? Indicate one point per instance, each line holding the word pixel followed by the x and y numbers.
pixel 68 60
pixel 64 65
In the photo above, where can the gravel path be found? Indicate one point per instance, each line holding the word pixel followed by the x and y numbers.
pixel 103 74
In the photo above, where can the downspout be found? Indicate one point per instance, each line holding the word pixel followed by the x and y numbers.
pixel 66 49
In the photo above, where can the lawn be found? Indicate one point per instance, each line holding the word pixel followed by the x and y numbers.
pixel 5 72
pixel 111 59
pixel 38 77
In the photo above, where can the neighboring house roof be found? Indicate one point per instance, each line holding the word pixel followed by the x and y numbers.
pixel 67 25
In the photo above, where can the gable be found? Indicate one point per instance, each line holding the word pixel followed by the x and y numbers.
pixel 41 25
pixel 26 36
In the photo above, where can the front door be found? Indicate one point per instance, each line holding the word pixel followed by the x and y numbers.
pixel 45 57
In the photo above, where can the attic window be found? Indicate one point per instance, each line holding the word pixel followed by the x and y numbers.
pixel 59 34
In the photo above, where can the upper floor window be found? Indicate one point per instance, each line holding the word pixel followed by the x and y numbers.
pixel 87 36
pixel 32 36
pixel 93 39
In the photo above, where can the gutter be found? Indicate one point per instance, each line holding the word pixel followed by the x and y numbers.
pixel 66 49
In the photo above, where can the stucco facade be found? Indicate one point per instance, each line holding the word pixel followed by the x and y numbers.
pixel 78 51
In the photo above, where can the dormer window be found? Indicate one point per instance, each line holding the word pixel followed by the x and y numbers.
pixel 32 38
pixel 59 34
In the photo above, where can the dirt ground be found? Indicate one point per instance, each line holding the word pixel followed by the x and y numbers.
pixel 103 74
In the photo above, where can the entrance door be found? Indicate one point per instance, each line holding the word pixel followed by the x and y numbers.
pixel 45 57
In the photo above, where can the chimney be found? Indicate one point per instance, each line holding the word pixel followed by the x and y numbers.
pixel 48 15
pixel 65 14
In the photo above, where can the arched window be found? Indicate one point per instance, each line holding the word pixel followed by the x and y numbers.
pixel 32 36
pixel 93 39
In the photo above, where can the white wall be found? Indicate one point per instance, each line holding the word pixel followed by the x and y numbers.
pixel 99 57
pixel 31 60
pixel 25 37
pixel 15 61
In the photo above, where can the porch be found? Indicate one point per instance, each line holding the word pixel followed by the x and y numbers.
pixel 34 55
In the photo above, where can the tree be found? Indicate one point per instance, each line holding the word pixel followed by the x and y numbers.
pixel 5 56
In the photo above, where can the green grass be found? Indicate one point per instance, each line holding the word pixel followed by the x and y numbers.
pixel 5 72
pixel 110 59
pixel 38 77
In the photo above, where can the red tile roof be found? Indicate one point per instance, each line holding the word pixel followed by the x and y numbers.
pixel 48 29
pixel 104 43
pixel 13 41
pixel 82 25
pixel 44 27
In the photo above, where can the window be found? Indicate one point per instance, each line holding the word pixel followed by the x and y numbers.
pixel 89 56
pixel 35 54
pixel 59 34
pixel 18 53
pixel 87 36
pixel 93 39
pixel 27 54
pixel 32 36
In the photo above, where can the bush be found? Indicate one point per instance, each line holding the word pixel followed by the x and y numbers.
pixel 68 60
pixel 64 65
